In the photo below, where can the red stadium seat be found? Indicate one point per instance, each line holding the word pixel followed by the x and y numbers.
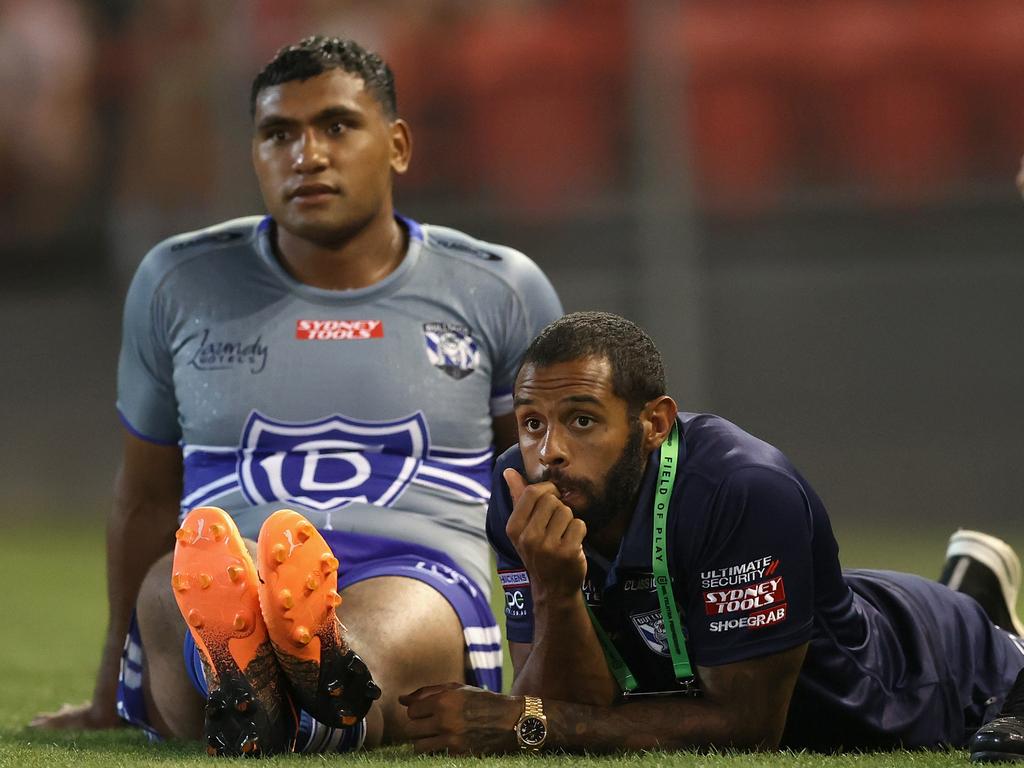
pixel 547 104
pixel 890 120
pixel 739 116
pixel 992 56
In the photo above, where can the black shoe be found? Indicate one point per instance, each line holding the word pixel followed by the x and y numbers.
pixel 1002 740
pixel 987 569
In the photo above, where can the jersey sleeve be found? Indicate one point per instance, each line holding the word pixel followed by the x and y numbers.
pixel 145 376
pixel 534 304
pixel 515 581
pixel 750 586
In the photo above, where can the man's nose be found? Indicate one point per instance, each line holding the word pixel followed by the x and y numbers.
pixel 553 451
pixel 310 153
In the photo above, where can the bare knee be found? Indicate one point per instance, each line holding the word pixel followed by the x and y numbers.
pixel 173 705
pixel 156 610
pixel 409 636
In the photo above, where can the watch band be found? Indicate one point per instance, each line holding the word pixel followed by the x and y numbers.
pixel 531 730
pixel 533 707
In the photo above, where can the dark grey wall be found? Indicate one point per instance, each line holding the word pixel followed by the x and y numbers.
pixel 882 351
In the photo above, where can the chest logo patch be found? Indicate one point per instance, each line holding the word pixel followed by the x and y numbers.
pixel 651 627
pixel 216 354
pixel 331 463
pixel 451 348
pixel 338 330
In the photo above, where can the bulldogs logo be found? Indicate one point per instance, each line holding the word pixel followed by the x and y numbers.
pixel 651 627
pixel 451 348
pixel 331 463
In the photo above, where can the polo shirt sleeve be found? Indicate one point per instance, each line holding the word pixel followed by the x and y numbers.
pixel 515 581
pixel 750 585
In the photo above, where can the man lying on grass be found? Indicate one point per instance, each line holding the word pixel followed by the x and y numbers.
pixel 672 581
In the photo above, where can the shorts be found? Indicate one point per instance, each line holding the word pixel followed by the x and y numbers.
pixel 361 557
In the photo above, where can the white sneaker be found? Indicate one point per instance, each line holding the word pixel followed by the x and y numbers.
pixel 987 569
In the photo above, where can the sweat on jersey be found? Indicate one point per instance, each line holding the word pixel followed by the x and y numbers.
pixel 366 410
pixel 893 659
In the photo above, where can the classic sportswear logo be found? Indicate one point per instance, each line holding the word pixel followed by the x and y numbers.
pixel 755 596
pixel 447 575
pixel 641 583
pixel 338 330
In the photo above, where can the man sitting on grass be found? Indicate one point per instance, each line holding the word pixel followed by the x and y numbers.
pixel 672 581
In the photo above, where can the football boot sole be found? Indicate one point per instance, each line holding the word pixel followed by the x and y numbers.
pixel 299 598
pixel 216 587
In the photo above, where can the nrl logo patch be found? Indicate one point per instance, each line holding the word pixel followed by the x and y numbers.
pixel 651 627
pixel 451 348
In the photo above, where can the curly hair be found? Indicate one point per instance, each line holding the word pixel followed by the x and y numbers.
pixel 313 56
pixel 638 372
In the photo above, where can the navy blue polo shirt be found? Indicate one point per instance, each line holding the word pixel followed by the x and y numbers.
pixel 893 659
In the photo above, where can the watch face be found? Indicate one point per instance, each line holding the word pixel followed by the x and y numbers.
pixel 532 731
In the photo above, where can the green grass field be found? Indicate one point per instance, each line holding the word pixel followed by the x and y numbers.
pixel 54 612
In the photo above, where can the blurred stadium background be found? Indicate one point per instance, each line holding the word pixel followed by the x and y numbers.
pixel 809 202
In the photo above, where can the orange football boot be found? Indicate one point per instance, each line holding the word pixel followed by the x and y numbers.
pixel 299 597
pixel 215 584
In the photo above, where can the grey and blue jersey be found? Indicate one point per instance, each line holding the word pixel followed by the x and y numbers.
pixel 367 410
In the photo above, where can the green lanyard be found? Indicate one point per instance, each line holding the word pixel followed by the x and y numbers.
pixel 668 458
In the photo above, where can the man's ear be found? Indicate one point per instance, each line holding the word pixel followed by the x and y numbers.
pixel 658 417
pixel 401 146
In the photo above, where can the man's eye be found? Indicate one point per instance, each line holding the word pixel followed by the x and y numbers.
pixel 279 137
pixel 584 421
pixel 336 129
pixel 531 425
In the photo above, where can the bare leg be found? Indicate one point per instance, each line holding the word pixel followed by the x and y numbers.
pixel 409 636
pixel 174 706
pixel 404 630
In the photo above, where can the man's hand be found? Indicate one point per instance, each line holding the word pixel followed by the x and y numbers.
pixel 461 720
pixel 140 529
pixel 547 536
pixel 78 717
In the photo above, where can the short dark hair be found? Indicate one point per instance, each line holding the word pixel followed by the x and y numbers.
pixel 313 56
pixel 638 373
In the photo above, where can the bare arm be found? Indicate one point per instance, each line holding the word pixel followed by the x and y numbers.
pixel 139 530
pixel 744 706
pixel 519 653
pixel 550 667
pixel 549 541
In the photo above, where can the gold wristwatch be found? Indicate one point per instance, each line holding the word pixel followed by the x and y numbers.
pixel 532 728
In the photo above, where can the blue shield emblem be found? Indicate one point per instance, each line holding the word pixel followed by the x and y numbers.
pixel 651 627
pixel 451 348
pixel 331 463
